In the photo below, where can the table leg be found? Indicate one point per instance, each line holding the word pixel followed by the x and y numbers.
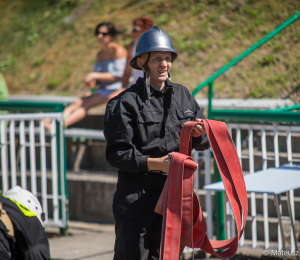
pixel 292 219
pixel 279 212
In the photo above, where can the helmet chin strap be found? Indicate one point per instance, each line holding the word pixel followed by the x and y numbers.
pixel 147 78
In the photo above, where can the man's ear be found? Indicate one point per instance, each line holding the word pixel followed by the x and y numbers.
pixel 139 62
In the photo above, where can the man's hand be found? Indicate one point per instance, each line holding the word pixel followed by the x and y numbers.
pixel 198 129
pixel 159 164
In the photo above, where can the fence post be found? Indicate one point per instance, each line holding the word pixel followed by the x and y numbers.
pixel 62 169
pixel 219 206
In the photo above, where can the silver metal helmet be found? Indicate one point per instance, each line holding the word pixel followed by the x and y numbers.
pixel 153 40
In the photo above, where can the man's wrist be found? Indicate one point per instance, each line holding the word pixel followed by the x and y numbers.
pixel 153 164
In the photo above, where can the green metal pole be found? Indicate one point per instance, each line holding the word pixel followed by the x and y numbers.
pixel 62 173
pixel 210 98
pixel 256 116
pixel 219 217
pixel 287 108
pixel 246 53
pixel 219 202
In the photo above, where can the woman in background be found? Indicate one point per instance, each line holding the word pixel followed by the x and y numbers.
pixel 106 77
pixel 140 25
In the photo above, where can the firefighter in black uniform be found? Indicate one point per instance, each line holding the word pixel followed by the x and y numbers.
pixel 22 234
pixel 142 125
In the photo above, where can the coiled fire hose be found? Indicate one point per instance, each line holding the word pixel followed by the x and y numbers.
pixel 183 221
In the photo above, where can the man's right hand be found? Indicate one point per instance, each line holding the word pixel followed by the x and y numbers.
pixel 159 164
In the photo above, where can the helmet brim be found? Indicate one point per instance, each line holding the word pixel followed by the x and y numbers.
pixel 133 62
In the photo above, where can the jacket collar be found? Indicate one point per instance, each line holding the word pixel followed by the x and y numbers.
pixel 140 84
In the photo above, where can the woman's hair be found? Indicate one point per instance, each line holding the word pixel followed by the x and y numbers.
pixel 110 27
pixel 145 22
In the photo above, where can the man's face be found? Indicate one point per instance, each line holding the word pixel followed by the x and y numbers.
pixel 159 66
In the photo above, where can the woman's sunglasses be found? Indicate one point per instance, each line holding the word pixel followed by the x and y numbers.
pixel 102 33
pixel 136 29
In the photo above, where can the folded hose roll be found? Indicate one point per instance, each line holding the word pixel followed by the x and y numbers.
pixel 183 221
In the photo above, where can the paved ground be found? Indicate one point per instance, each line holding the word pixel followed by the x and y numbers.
pixel 85 241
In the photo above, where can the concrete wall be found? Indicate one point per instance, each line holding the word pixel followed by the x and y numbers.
pixel 91 196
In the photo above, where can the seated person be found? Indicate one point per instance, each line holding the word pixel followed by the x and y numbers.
pixel 106 78
pixel 140 25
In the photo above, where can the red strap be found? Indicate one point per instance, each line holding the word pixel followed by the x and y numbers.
pixel 183 221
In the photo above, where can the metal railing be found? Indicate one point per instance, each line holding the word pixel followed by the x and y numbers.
pixel 34 159
pixel 211 79
pixel 259 146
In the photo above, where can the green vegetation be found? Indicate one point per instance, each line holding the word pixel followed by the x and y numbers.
pixel 46 47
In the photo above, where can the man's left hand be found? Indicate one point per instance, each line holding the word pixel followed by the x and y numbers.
pixel 199 129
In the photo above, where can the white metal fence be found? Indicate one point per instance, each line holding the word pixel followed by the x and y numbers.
pixel 33 158
pixel 259 147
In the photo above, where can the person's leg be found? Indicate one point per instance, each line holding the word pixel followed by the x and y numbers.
pixel 136 222
pixel 71 108
pixel 80 112
pixel 155 238
pixel 66 113
pixel 115 93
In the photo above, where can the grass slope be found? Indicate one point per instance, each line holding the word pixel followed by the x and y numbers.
pixel 46 47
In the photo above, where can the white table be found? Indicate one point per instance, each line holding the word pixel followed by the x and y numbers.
pixel 272 181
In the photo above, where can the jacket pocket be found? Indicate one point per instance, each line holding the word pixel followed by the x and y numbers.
pixel 184 115
pixel 149 126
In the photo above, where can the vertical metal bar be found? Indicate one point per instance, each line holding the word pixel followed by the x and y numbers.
pixel 265 195
pixel 64 189
pixel 23 155
pixel 208 197
pixel 281 240
pixel 253 201
pixel 289 145
pixel 210 98
pixel 12 142
pixel 229 220
pixel 266 220
pixel 264 148
pixel 239 144
pixel 239 152
pixel 32 157
pixel 43 169
pixel 4 157
pixel 220 211
pixel 276 147
pixel 291 209
pixel 54 171
pixel 230 130
pixel 197 177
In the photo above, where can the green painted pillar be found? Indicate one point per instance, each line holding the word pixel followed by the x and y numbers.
pixel 219 217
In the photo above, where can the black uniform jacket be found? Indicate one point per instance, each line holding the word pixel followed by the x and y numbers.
pixel 30 241
pixel 136 128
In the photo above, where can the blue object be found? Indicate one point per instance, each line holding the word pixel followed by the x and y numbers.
pixel 272 180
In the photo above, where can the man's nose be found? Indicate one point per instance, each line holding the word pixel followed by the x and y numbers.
pixel 164 62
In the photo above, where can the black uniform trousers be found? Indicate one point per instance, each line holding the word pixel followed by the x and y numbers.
pixel 138 227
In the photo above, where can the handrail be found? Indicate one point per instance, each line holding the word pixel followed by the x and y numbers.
pixel 210 80
pixel 32 106
pixel 256 116
pixel 286 108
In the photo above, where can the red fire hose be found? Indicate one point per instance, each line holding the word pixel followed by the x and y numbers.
pixel 183 221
